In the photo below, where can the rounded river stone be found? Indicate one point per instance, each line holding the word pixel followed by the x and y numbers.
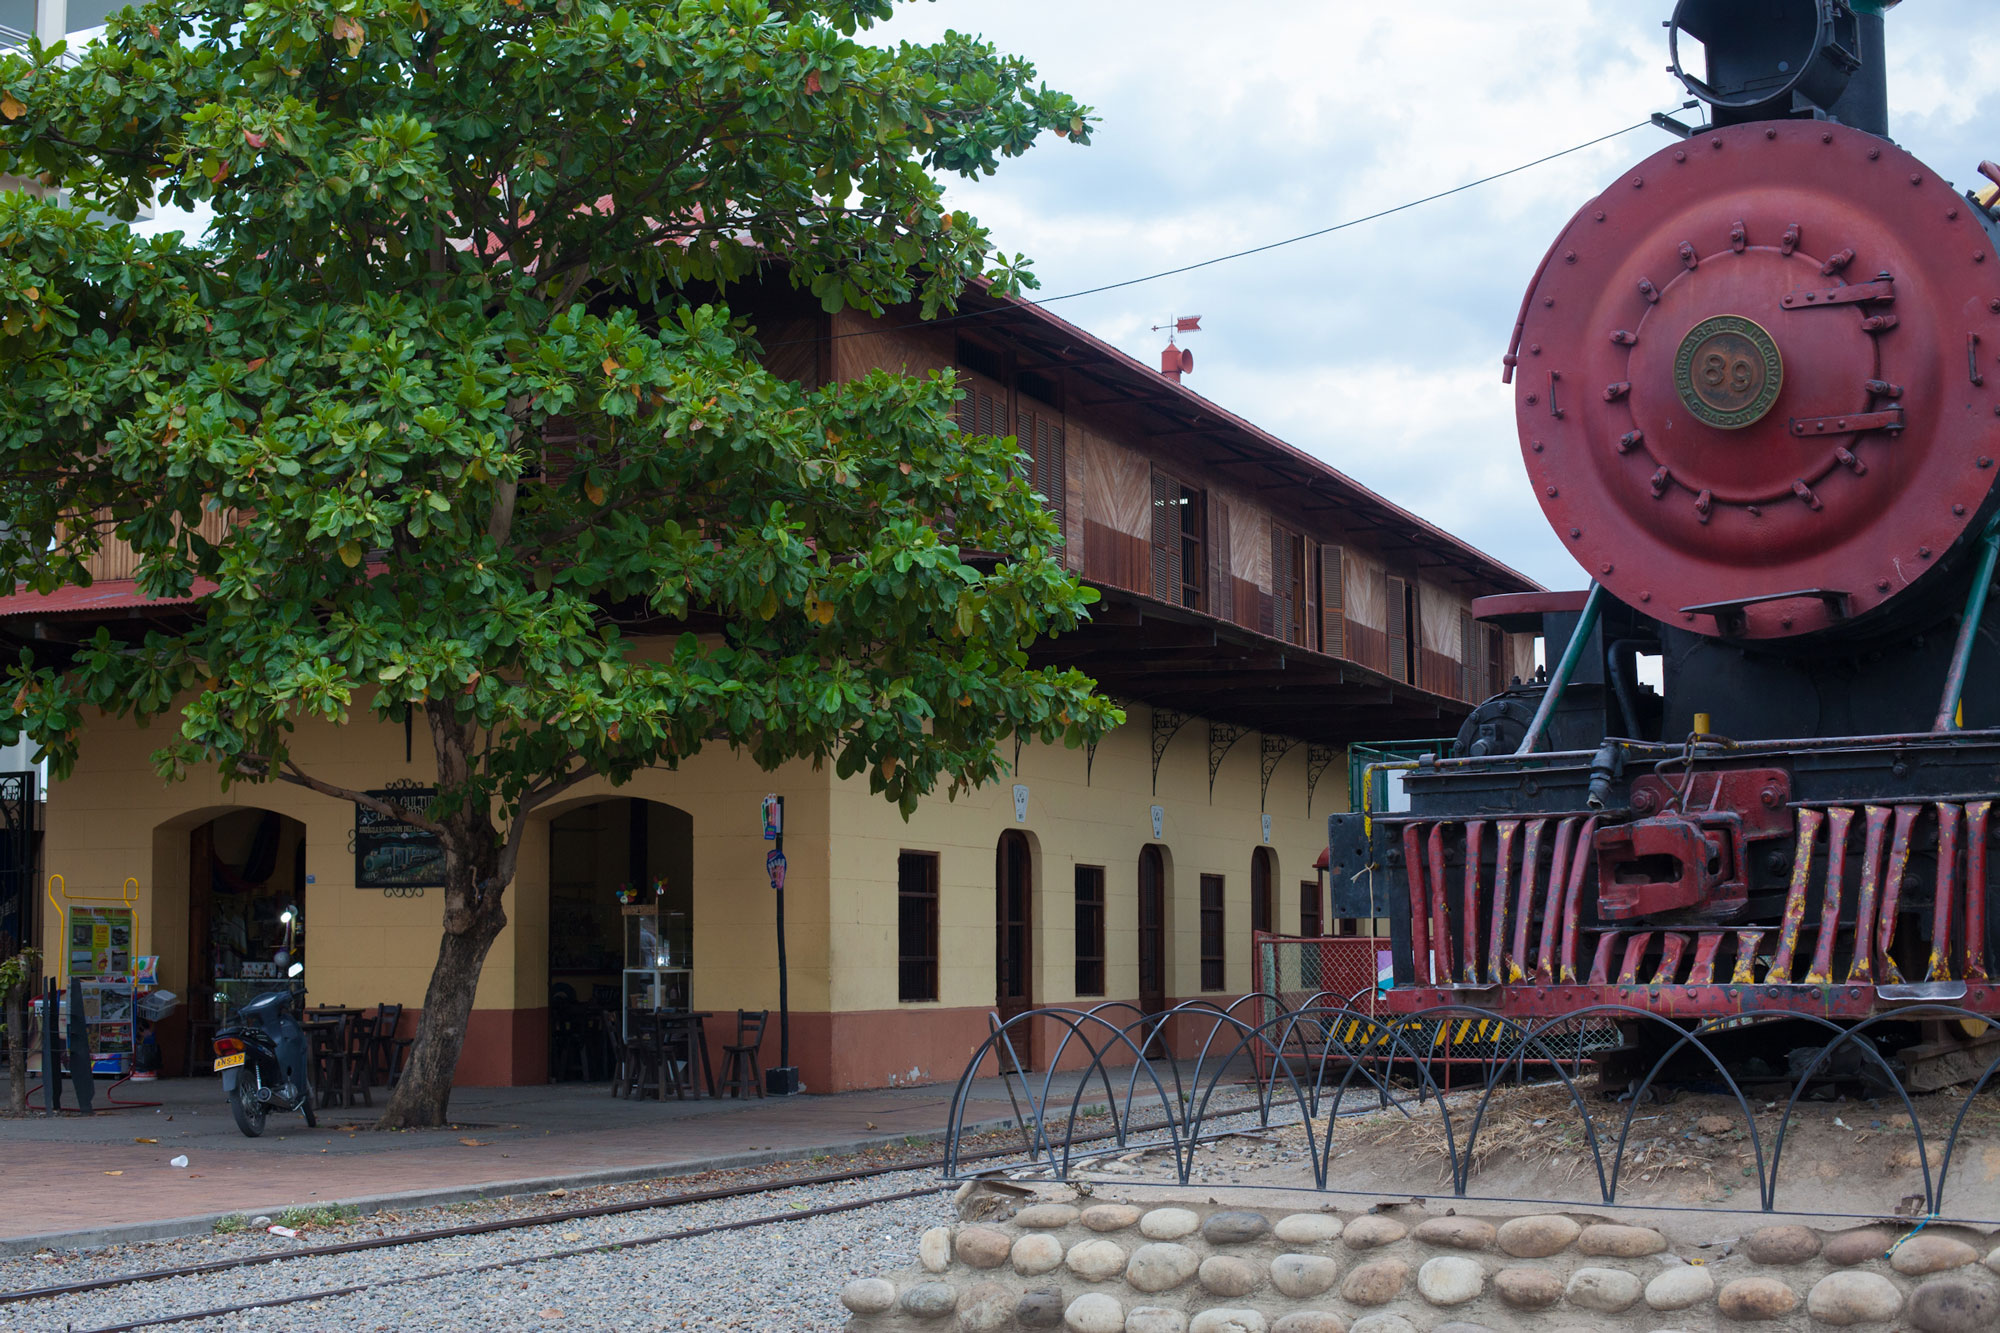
pixel 1537 1237
pixel 1450 1280
pixel 1460 1326
pixel 1605 1290
pixel 1751 1299
pixel 1955 1305
pixel 1310 1321
pixel 1371 1231
pixel 985 1307
pixel 1160 1266
pixel 1035 1254
pixel 1679 1287
pixel 1039 1309
pixel 1931 1254
pixel 1615 1242
pixel 1382 1323
pixel 1109 1216
pixel 1235 1226
pixel 1781 1245
pixel 1528 1288
pixel 1046 1216
pixel 929 1300
pixel 1375 1283
pixel 1154 1319
pixel 869 1295
pixel 1226 1275
pixel 1842 1299
pixel 1856 1247
pixel 934 1250
pixel 1168 1224
pixel 983 1247
pixel 1304 1276
pixel 1096 1260
pixel 1456 1233
pixel 1094 1312
pixel 1221 1320
pixel 1315 1229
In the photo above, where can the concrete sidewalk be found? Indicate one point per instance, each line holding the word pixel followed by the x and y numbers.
pixel 107 1178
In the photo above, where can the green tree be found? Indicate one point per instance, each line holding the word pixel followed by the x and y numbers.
pixel 453 353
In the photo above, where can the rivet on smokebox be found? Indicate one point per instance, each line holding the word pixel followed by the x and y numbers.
pixel 1923 552
pixel 1826 137
pixel 1874 153
pixel 1916 179
pixel 1552 492
pixel 1881 585
pixel 1569 256
pixel 1715 143
pixel 1985 462
pixel 1607 567
pixel 1958 510
pixel 1638 182
pixel 1645 597
pixel 1770 134
pixel 1575 533
pixel 1680 155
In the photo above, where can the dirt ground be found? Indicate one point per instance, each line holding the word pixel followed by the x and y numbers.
pixel 1850 1158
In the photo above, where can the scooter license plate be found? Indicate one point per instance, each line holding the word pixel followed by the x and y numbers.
pixel 230 1061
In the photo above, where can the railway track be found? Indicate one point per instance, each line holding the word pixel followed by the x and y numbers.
pixel 12 1303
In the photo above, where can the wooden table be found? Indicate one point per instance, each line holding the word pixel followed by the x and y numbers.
pixel 657 1025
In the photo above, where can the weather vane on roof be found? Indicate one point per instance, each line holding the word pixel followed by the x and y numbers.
pixel 1176 361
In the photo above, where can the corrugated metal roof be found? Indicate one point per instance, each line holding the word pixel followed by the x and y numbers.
pixel 103 595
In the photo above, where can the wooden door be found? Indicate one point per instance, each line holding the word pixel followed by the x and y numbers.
pixel 1152 935
pixel 1013 933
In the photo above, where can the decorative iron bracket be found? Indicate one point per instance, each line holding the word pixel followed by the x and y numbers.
pixel 1222 738
pixel 1089 760
pixel 1275 749
pixel 1319 758
pixel 1166 722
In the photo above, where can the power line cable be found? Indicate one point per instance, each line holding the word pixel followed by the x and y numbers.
pixel 1017 303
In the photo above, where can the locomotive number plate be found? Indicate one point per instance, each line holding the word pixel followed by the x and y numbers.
pixel 1729 372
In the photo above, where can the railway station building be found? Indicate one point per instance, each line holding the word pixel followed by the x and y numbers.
pixel 1261 613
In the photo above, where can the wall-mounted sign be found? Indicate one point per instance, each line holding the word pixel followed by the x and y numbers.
pixel 1159 821
pixel 774 817
pixel 1020 803
pixel 1267 828
pixel 389 854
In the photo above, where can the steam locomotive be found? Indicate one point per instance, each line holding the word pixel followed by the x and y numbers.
pixel 1757 382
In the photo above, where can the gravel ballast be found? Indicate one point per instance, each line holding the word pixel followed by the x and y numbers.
pixel 783 1275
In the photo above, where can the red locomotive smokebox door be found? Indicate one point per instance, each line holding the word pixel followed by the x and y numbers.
pixel 1764 362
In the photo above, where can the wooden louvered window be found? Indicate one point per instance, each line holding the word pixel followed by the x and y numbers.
pixel 981 411
pixel 1288 586
pixel 1040 436
pixel 1332 601
pixel 1179 561
pixel 1494 648
pixel 1469 658
pixel 1221 599
pixel 1401 664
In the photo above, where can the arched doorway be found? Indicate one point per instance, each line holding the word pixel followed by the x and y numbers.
pixel 1013 957
pixel 1152 929
pixel 606 954
pixel 246 923
pixel 1263 909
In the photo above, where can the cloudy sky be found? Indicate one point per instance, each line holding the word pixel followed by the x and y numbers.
pixel 1231 123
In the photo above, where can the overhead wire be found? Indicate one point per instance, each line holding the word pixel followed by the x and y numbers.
pixel 1021 302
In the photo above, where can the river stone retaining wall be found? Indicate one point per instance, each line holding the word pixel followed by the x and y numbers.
pixel 1180 1267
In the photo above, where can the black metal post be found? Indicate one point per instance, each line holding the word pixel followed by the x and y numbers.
pixel 782 1081
pixel 51 1046
pixel 80 1072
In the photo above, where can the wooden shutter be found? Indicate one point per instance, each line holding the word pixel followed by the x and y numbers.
pixel 1041 438
pixel 1166 538
pixel 1468 656
pixel 1284 584
pixel 1332 601
pixel 1491 645
pixel 1222 602
pixel 1399 630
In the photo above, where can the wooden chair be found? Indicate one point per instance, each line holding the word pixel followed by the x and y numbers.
pixel 740 1071
pixel 622 1073
pixel 383 1049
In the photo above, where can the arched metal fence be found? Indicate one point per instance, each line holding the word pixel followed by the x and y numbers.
pixel 1170 1080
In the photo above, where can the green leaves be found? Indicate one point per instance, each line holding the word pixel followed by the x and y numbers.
pixel 453 389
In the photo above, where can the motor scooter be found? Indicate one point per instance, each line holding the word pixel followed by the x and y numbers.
pixel 265 1061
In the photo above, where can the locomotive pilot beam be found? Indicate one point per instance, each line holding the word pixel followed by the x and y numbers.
pixel 1757 383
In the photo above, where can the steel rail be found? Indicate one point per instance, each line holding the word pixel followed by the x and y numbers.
pixel 498 1265
pixel 650 1202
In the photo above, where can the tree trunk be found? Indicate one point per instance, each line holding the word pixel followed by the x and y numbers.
pixel 422 1096
pixel 17 1049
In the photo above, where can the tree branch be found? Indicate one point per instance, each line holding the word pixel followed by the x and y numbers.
pixel 298 777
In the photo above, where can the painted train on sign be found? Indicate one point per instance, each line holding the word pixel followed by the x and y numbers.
pixel 1758 389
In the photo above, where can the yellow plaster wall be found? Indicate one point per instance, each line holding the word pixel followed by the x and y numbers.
pixel 1104 821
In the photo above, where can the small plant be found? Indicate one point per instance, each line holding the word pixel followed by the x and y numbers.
pixel 318 1215
pixel 913 1140
pixel 821 1157
pixel 230 1225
